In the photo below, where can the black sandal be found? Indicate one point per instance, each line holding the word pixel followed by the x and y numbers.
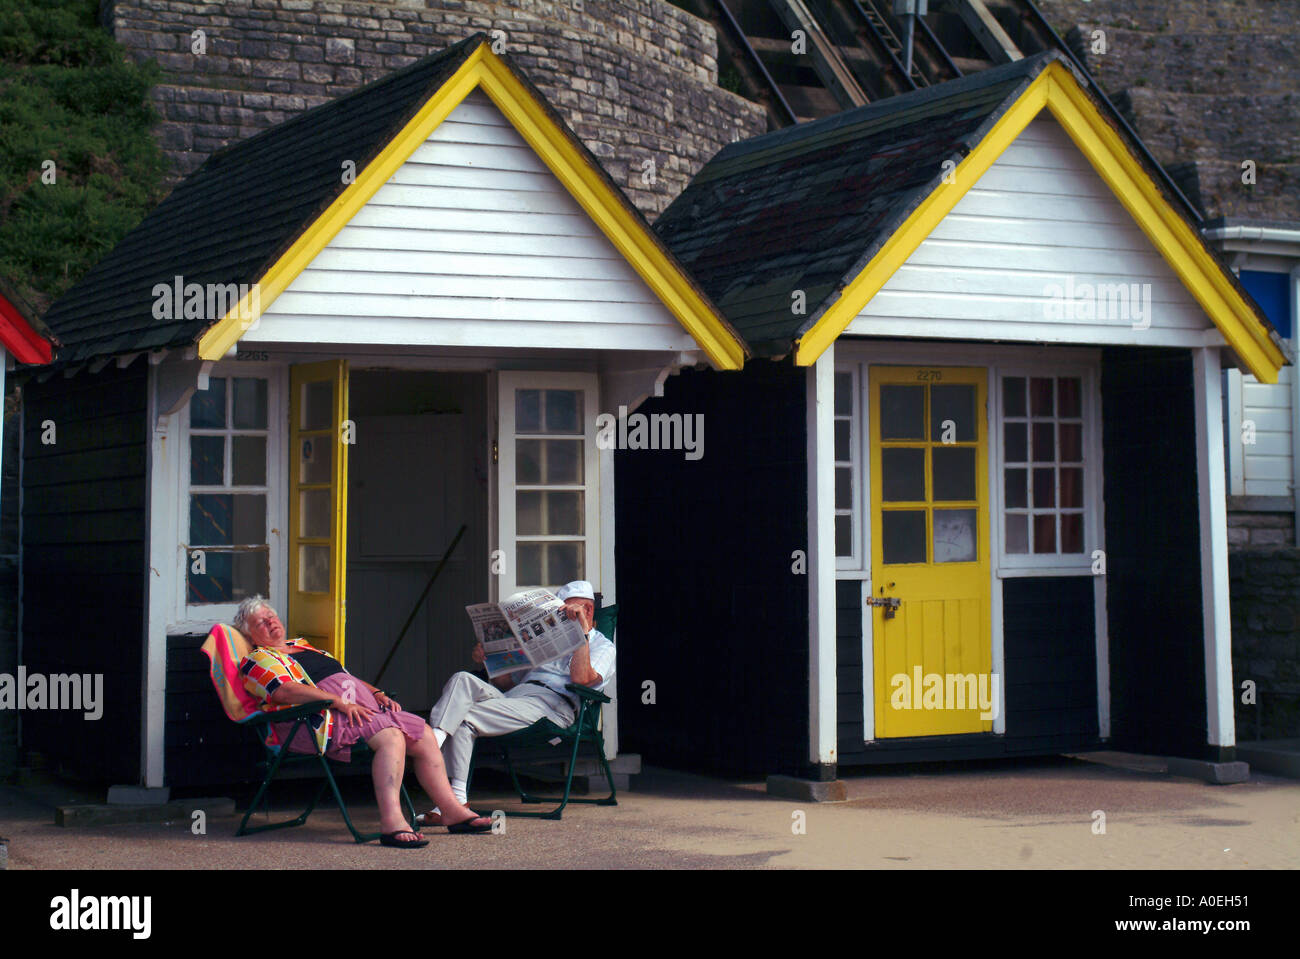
pixel 422 820
pixel 390 839
pixel 466 826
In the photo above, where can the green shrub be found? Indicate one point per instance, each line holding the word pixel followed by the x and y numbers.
pixel 69 94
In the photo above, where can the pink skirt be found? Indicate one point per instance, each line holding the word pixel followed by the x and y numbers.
pixel 347 733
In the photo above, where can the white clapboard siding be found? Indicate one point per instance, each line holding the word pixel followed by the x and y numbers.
pixel 1268 419
pixel 472 242
pixel 1267 463
pixel 1040 217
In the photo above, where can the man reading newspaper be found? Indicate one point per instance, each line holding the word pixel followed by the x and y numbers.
pixel 470 707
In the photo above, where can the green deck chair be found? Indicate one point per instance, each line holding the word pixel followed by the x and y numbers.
pixel 225 647
pixel 544 733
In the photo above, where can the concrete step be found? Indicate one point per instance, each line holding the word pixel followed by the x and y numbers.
pixel 105 814
pixel 1218 773
pixel 1281 757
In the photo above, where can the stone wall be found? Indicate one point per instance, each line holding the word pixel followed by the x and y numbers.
pixel 1265 601
pixel 635 79
pixel 1249 529
pixel 1207 84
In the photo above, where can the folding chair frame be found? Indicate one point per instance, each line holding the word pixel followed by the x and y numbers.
pixel 585 728
pixel 278 757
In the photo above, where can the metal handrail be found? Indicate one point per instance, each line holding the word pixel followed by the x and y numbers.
pixel 881 40
pixel 739 35
pixel 943 52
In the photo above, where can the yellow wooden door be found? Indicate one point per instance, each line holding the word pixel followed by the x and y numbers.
pixel 930 549
pixel 318 491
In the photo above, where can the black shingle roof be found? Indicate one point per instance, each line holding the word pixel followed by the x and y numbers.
pixel 233 217
pixel 806 208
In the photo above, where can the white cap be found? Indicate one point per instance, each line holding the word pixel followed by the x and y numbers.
pixel 578 589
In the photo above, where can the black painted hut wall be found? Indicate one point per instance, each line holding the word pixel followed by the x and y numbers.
pixel 201 746
pixel 9 573
pixel 1153 552
pixel 709 608
pixel 1049 644
pixel 83 545
pixel 1050 658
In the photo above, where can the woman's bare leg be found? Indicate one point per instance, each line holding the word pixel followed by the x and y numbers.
pixel 426 757
pixel 390 763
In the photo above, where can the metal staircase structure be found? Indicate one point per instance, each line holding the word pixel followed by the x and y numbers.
pixel 805 59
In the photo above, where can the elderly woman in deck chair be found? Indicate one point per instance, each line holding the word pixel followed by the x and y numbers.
pixel 290 671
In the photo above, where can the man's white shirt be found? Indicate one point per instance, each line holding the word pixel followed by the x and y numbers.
pixel 555 674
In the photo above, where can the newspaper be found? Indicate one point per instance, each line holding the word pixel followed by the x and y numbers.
pixel 526 630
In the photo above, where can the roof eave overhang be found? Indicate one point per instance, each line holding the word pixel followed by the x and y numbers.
pixel 18 337
pixel 1179 242
pixel 564 156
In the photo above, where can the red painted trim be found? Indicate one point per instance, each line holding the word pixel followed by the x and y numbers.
pixel 18 337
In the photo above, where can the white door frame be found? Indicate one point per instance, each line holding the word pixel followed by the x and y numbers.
pixel 823 732
pixel 991 357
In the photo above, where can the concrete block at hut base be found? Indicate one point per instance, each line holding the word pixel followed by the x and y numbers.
pixel 1281 757
pixel 807 790
pixel 138 796
pixel 104 814
pixel 1211 772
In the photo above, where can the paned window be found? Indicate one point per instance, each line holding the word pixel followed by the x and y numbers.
pixel 549 485
pixel 1043 465
pixel 227 551
pixel 928 456
pixel 847 535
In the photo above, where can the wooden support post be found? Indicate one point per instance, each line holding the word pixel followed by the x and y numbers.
pixel 988 31
pixel 1216 621
pixel 826 59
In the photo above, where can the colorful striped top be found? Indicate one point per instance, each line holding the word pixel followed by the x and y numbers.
pixel 266 669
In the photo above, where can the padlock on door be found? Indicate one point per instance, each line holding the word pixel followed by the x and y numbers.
pixel 890 604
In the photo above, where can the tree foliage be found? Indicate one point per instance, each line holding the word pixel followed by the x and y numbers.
pixel 69 94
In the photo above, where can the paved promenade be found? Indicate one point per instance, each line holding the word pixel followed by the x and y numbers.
pixel 1032 815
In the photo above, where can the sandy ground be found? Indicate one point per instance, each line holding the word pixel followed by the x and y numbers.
pixel 1033 815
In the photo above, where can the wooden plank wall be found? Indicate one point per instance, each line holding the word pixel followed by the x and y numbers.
pixel 83 542
pixel 9 581
pixel 1153 552
pixel 1266 463
pixel 848 670
pixel 201 745
pixel 709 610
pixel 472 242
pixel 1040 215
pixel 1049 642
pixel 1050 675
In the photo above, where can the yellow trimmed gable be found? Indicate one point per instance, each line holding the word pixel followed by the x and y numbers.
pixel 1182 247
pixel 625 230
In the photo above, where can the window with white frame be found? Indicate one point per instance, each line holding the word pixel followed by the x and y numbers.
pixel 848 536
pixel 549 488
pixel 1044 457
pixel 1043 466
pixel 225 520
